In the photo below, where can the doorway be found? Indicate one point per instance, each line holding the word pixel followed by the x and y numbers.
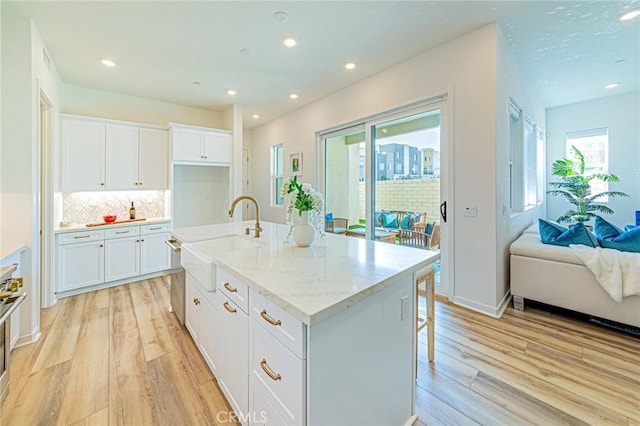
pixel 45 202
pixel 388 179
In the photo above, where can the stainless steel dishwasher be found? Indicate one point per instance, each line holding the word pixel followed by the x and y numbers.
pixel 177 280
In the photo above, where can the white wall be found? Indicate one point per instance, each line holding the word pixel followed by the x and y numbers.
pixel 23 76
pixel 620 114
pixel 512 83
pixel 465 68
pixel 117 106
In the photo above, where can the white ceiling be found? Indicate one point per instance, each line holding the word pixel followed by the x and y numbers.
pixel 569 50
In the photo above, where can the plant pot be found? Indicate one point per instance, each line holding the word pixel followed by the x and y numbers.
pixel 303 232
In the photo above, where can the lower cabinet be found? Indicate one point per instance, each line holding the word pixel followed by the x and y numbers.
pixel 203 322
pixel 121 258
pixel 93 257
pixel 233 364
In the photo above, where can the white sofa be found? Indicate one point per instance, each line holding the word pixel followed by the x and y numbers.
pixel 554 275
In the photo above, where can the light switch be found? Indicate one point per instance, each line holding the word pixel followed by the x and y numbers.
pixel 471 211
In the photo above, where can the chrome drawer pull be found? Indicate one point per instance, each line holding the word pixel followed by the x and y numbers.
pixel 229 308
pixel 268 319
pixel 231 289
pixel 266 369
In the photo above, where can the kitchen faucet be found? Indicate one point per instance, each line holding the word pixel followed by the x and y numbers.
pixel 258 229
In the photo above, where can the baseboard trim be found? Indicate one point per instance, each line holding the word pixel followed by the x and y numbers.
pixel 26 339
pixel 60 294
pixel 492 311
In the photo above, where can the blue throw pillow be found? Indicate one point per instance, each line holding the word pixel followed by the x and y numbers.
pixel 328 216
pixel 389 220
pixel 612 237
pixel 377 219
pixel 405 223
pixel 557 235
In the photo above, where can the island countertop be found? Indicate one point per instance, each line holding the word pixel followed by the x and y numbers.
pixel 311 283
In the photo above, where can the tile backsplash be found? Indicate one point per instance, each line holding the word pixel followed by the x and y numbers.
pixel 90 207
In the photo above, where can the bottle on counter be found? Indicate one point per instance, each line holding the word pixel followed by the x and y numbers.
pixel 132 212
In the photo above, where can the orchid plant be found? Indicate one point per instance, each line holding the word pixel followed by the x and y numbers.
pixel 303 198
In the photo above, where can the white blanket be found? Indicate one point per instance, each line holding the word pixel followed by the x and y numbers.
pixel 616 271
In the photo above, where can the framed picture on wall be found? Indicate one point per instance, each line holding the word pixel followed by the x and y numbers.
pixel 295 160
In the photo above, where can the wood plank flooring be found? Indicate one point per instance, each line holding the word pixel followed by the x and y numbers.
pixel 119 357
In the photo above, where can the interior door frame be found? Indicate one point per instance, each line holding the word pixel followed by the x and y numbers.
pixel 444 102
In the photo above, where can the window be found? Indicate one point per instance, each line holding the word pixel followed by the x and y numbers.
pixel 594 146
pixel 277 171
pixel 515 158
pixel 530 164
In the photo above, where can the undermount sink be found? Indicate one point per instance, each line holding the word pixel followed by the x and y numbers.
pixel 197 258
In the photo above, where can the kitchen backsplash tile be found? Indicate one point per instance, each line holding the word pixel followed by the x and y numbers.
pixel 89 207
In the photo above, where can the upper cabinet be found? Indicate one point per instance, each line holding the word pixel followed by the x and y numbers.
pixel 83 150
pixel 101 154
pixel 199 145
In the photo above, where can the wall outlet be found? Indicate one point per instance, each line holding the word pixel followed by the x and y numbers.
pixel 404 308
pixel 471 211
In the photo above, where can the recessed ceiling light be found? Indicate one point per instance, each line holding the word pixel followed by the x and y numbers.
pixel 293 96
pixel 281 17
pixel 349 65
pixel 108 63
pixel 630 15
pixel 289 41
pixel 231 92
pixel 612 85
pixel 255 116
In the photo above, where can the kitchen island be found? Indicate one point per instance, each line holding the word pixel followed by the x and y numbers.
pixel 320 335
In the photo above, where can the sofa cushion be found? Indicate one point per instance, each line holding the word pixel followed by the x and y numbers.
pixel 558 235
pixel 377 219
pixel 529 245
pixel 389 220
pixel 405 222
pixel 612 237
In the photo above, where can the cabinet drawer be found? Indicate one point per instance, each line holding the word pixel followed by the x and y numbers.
pixel 278 374
pixel 80 237
pixel 288 330
pixel 155 229
pixel 126 231
pixel 233 288
pixel 261 413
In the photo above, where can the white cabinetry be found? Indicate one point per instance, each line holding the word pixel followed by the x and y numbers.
pixel 233 367
pixel 80 260
pixel 202 321
pixel 113 255
pixel 83 151
pixel 198 145
pixel 102 154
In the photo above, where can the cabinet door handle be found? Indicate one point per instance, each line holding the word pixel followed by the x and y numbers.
pixel 101 183
pixel 267 370
pixel 154 229
pixel 140 183
pixel 229 308
pixel 231 289
pixel 268 319
pixel 101 245
pixel 122 232
pixel 135 183
pixel 81 236
pixel 196 301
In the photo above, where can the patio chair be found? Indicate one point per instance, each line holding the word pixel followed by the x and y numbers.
pixel 337 225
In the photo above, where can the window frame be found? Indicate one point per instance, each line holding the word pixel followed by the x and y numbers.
pixel 276 176
pixel 580 139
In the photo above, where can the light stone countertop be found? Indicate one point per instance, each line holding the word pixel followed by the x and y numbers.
pixel 311 283
pixel 83 227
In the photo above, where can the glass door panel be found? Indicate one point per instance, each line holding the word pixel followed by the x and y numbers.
pixel 344 184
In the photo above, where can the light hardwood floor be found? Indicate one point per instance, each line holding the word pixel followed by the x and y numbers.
pixel 118 356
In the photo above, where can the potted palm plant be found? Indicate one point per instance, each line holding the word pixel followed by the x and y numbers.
pixel 574 186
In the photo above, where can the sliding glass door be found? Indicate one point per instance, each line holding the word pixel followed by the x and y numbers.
pixel 382 180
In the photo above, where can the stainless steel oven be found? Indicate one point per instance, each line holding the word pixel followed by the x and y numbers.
pixel 9 302
pixel 177 280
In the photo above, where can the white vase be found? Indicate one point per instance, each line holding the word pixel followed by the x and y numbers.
pixel 303 232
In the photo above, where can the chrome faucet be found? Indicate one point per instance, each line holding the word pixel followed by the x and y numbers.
pixel 258 229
